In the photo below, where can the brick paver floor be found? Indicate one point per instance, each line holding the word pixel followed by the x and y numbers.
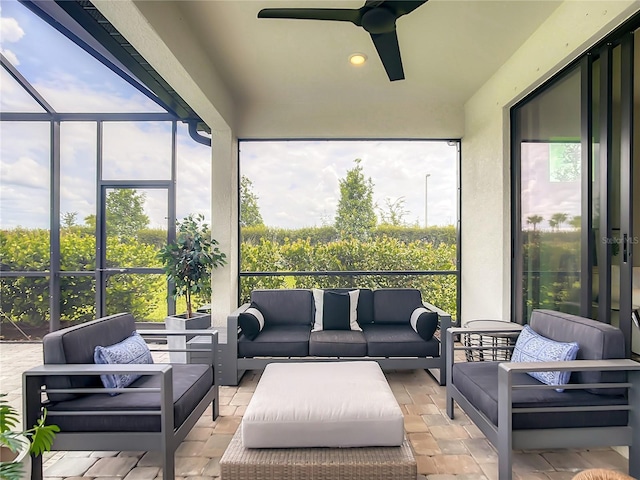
pixel 445 449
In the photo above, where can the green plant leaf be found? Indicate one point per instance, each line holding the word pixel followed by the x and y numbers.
pixel 8 415
pixel 42 435
pixel 11 440
pixel 10 471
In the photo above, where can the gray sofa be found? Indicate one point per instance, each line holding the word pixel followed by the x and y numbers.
pixel 155 412
pixel 383 315
pixel 600 406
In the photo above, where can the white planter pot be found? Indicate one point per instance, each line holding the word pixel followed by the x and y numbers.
pixel 199 321
pixel 21 456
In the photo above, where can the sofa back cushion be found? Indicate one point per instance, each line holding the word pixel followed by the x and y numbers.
pixel 365 303
pixel 76 345
pixel 284 306
pixel 395 305
pixel 596 341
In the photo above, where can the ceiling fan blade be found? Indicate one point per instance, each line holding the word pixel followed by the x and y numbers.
pixel 389 52
pixel 373 3
pixel 337 14
pixel 402 7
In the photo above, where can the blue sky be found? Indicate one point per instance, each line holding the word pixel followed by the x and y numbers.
pixel 297 182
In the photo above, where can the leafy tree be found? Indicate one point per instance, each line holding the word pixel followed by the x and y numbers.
pixel 69 219
pixel 189 260
pixel 249 210
pixel 355 216
pixel 394 212
pixel 125 213
pixel 90 221
pixel 576 222
pixel 557 219
pixel 534 220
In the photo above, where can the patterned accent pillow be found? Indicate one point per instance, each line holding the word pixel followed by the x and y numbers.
pixel 424 322
pixel 251 321
pixel 132 350
pixel 533 347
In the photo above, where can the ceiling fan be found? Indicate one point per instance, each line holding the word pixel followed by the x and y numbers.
pixel 378 17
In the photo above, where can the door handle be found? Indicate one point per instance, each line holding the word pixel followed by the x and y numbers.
pixel 625 247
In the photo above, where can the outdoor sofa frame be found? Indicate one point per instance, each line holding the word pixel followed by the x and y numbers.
pixel 435 366
pixel 505 439
pixel 166 440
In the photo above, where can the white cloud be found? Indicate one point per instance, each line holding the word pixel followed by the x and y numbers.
pixel 67 93
pixel 10 56
pixel 10 30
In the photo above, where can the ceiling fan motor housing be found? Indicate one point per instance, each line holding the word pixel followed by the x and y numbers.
pixel 379 20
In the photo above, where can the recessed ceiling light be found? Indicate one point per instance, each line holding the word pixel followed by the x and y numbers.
pixel 357 59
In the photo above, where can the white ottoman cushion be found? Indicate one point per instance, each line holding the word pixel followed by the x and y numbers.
pixel 322 404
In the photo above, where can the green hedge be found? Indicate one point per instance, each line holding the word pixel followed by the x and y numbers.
pixel 324 235
pixel 26 299
pixel 382 253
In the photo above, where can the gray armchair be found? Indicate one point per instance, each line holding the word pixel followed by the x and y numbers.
pixel 155 412
pixel 600 406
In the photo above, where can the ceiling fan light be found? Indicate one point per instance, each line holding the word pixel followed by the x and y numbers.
pixel 357 59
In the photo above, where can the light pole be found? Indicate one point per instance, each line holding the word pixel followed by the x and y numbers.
pixel 426 199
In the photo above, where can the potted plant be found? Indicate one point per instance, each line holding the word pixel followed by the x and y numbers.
pixel 188 262
pixel 16 446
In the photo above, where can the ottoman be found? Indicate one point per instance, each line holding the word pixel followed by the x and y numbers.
pixel 302 417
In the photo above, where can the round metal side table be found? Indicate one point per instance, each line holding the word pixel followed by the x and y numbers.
pixel 505 335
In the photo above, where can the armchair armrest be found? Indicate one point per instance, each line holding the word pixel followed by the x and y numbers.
pixel 506 385
pixel 34 379
pixel 573 365
pixel 506 369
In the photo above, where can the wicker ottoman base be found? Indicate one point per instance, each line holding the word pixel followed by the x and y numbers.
pixel 365 463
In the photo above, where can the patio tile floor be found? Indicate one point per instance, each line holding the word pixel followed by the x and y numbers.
pixel 445 449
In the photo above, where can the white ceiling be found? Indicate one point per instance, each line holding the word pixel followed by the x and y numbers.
pixel 291 78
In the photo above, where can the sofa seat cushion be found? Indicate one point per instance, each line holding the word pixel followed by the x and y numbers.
pixel 280 341
pixel 190 384
pixel 398 341
pixel 337 343
pixel 478 382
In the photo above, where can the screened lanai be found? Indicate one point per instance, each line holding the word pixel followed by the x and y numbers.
pixel 96 169
pixel 120 157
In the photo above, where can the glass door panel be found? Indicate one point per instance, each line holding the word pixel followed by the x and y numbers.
pixel 550 168
pixel 136 227
pixel 635 239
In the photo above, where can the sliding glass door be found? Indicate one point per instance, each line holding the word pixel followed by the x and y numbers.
pixel 549 149
pixel 573 183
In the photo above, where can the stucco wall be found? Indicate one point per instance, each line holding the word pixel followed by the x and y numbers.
pixel 570 31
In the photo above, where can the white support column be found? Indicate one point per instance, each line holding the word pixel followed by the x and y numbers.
pixel 224 213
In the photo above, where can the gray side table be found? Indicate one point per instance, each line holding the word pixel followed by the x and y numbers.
pixel 505 335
